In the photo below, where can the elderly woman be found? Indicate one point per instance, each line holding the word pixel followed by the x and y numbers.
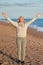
pixel 21 33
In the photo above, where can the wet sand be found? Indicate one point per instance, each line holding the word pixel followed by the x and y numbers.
pixel 8 48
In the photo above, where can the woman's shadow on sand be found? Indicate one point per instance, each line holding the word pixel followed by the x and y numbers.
pixel 13 59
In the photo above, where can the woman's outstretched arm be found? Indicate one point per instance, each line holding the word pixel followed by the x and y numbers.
pixel 12 22
pixel 33 20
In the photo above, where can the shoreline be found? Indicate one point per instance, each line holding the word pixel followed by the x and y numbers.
pixel 39 29
pixel 34 32
pixel 30 30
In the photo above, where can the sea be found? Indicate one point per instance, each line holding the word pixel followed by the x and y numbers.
pixel 37 24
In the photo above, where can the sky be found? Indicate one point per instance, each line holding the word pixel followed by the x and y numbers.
pixel 26 8
pixel 22 1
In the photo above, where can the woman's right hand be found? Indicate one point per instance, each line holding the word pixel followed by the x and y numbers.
pixel 4 14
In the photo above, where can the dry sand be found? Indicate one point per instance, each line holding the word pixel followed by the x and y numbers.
pixel 8 48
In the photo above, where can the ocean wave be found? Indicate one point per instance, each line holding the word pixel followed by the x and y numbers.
pixel 37 28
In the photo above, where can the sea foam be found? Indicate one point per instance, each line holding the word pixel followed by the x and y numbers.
pixel 37 28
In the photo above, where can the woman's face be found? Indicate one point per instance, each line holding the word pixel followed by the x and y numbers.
pixel 21 19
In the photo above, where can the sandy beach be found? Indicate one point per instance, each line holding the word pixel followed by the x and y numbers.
pixel 8 48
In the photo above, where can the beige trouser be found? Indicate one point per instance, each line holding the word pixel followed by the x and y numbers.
pixel 21 45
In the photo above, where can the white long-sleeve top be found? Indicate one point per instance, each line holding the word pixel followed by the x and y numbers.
pixel 21 27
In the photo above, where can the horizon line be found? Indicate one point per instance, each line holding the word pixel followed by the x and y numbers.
pixel 23 5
